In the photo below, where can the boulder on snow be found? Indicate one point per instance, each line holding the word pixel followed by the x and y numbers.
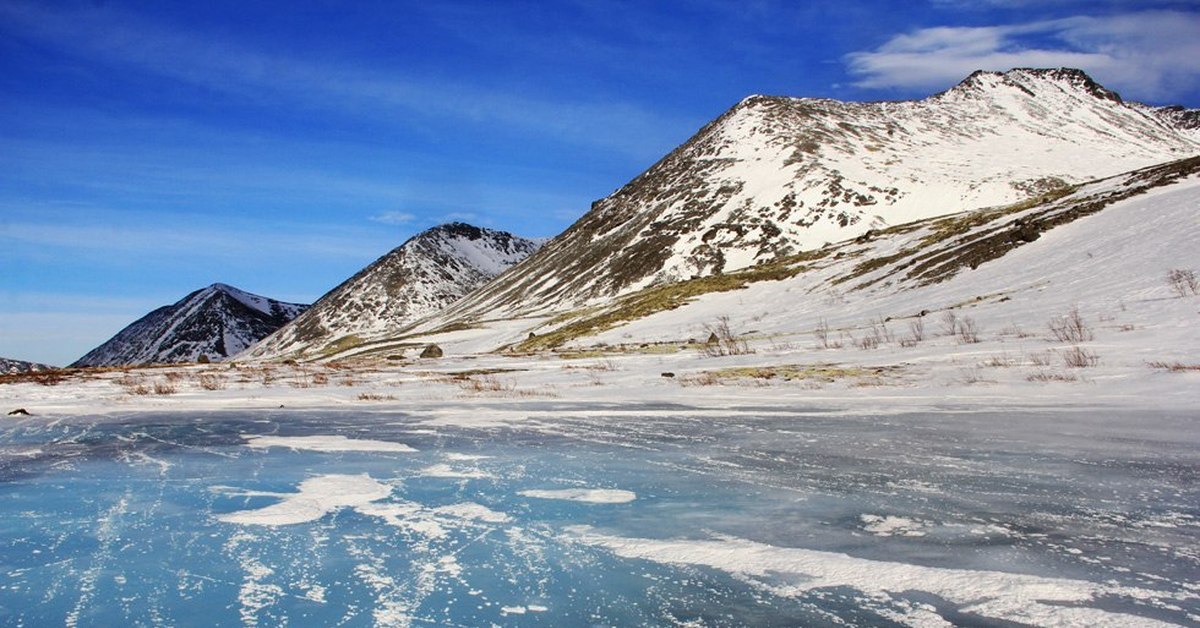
pixel 19 412
pixel 432 351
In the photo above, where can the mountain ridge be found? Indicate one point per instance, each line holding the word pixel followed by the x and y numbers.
pixel 773 176
pixel 212 323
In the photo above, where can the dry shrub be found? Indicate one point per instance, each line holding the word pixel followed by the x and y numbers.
pixel 1174 367
pixel 968 331
pixel 949 323
pixel 1078 357
pixel 485 383
pixel 211 381
pixel 973 375
pixel 1183 282
pixel 375 397
pixel 174 376
pixel 703 378
pixel 822 334
pixel 1051 376
pixel 1071 327
pixel 1041 359
pixel 52 377
pixel 722 340
pixel 1000 361
pixel 868 341
pixel 164 388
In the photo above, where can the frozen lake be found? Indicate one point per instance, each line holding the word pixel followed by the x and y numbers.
pixel 620 515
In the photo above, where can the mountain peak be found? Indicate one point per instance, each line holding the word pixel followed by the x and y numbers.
pixel 215 322
pixel 1031 81
pixel 429 271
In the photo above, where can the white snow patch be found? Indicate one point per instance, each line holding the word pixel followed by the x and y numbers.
pixel 892 526
pixel 791 571
pixel 588 495
pixel 327 443
pixel 447 471
pixel 317 497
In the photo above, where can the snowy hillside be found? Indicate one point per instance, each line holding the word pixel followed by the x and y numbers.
pixel 776 176
pixel 425 274
pixel 215 322
pixel 9 367
pixel 1102 246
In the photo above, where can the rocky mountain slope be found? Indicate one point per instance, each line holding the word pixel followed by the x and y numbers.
pixel 12 367
pixel 420 277
pixel 776 176
pixel 214 323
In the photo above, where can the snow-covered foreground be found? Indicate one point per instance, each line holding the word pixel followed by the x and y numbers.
pixel 496 505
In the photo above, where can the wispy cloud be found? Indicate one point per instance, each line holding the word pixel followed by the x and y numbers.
pixel 1152 54
pixel 394 218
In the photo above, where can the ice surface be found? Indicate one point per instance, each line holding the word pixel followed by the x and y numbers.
pixel 772 515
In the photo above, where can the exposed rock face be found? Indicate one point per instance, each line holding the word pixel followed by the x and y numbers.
pixel 420 277
pixel 212 323
pixel 776 176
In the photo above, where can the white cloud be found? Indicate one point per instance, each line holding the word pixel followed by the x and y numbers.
pixel 394 218
pixel 1148 55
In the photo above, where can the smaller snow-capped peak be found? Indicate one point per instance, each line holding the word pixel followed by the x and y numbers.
pixel 13 367
pixel 211 323
pixel 429 271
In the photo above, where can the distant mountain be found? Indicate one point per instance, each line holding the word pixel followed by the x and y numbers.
pixel 212 323
pixel 11 367
pixel 420 277
pixel 776 176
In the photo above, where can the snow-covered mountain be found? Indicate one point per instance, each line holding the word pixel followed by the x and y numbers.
pixel 776 176
pixel 420 277
pixel 12 367
pixel 214 323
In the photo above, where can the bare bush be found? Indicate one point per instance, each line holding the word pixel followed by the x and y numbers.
pixel 1183 281
pixel 211 381
pixel 822 334
pixel 973 375
pixel 722 340
pixel 1003 360
pixel 1051 376
pixel 869 341
pixel 703 378
pixel 164 388
pixel 52 377
pixel 1078 357
pixel 916 329
pixel 1174 367
pixel 949 323
pixel 1071 327
pixel 1041 359
pixel 375 397
pixel 485 383
pixel 880 329
pixel 968 331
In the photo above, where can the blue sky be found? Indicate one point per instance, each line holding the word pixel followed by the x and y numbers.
pixel 150 149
